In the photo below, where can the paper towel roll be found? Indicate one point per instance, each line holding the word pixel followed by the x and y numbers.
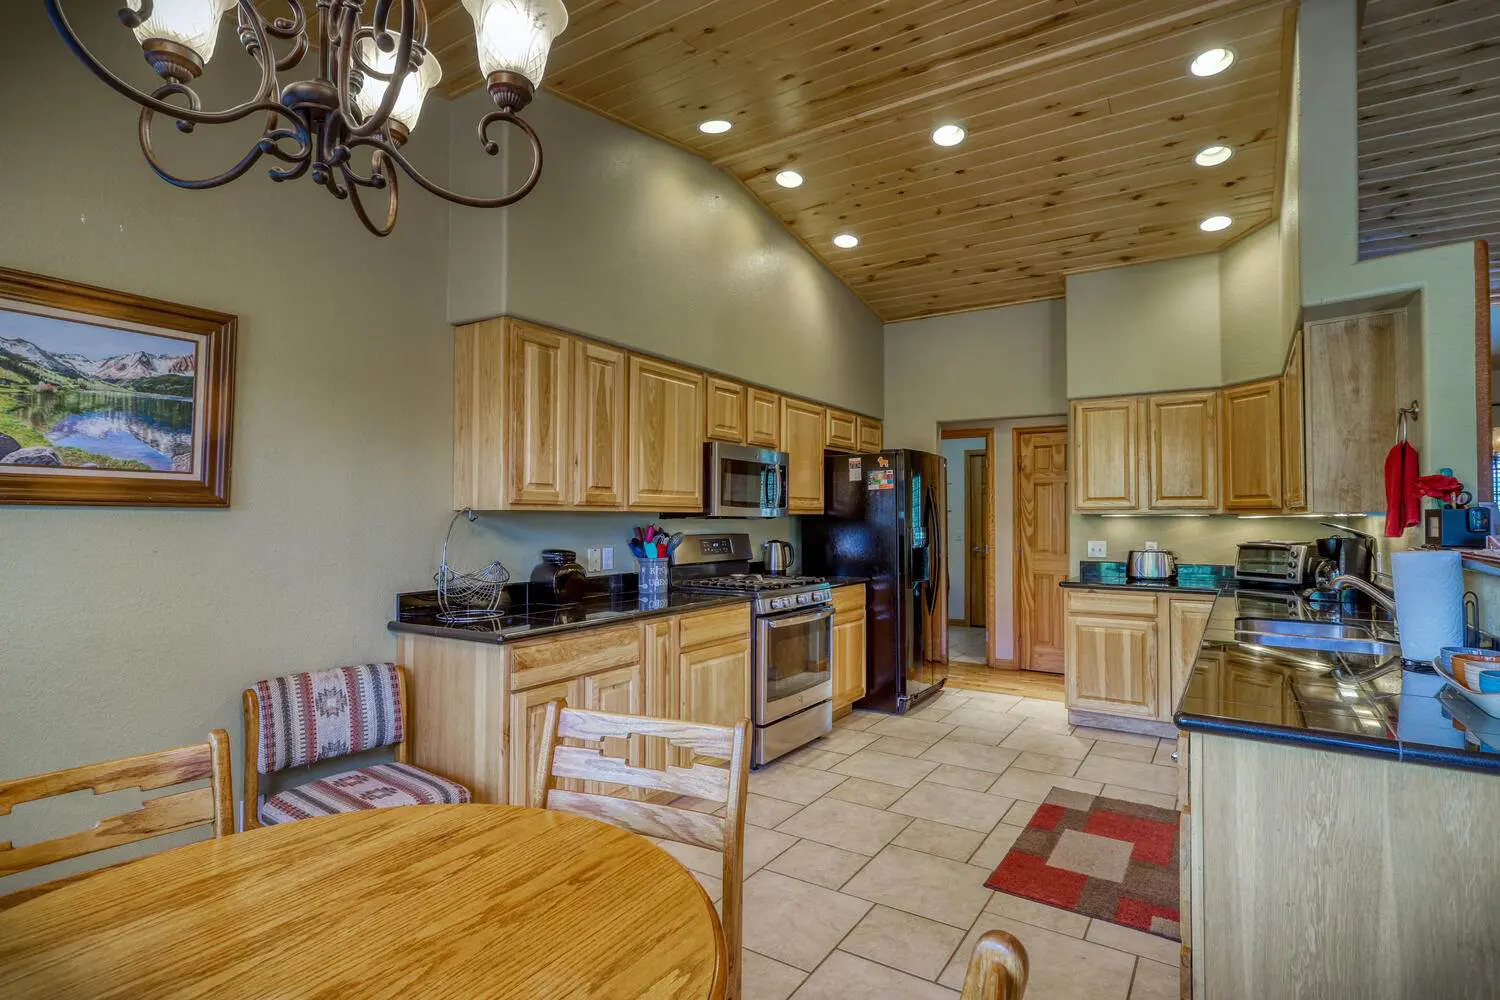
pixel 1429 601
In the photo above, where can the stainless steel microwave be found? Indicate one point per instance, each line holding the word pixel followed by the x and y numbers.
pixel 743 481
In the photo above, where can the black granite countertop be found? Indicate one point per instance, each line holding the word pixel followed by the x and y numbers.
pixel 531 619
pixel 1192 578
pixel 1352 702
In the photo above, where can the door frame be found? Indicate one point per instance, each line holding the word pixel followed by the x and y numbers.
pixel 987 434
pixel 1015 514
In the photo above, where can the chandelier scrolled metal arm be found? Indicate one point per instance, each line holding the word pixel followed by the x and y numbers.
pixel 365 92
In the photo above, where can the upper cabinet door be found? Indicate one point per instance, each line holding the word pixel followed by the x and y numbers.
pixel 842 431
pixel 666 436
pixel 762 418
pixel 1183 453
pixel 724 410
pixel 1252 446
pixel 1106 449
pixel 1293 434
pixel 599 425
pixel 802 436
pixel 870 434
pixel 537 411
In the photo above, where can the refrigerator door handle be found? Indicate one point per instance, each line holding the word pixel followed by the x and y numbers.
pixel 935 544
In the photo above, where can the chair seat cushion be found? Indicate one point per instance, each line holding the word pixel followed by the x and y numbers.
pixel 367 788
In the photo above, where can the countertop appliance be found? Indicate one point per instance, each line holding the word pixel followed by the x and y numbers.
pixel 1289 563
pixel 1150 564
pixel 883 520
pixel 1456 527
pixel 778 556
pixel 791 641
pixel 741 481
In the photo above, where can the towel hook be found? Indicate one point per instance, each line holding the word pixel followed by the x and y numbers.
pixel 1412 412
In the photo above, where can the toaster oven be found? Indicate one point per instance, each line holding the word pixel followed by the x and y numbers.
pixel 1288 563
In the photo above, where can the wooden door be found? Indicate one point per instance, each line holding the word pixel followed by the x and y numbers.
pixel 1252 446
pixel 1182 470
pixel 538 408
pixel 1112 665
pixel 724 410
pixel 620 691
pixel 1356 374
pixel 1294 432
pixel 715 682
pixel 1041 540
pixel 871 434
pixel 666 436
pixel 842 431
pixel 977 537
pixel 598 425
pixel 1187 618
pixel 1106 453
pixel 762 418
pixel 849 649
pixel 524 726
pixel 802 434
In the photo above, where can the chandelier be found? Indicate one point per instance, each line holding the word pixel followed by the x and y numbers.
pixel 321 125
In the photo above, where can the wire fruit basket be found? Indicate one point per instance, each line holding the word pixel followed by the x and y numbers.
pixel 466 597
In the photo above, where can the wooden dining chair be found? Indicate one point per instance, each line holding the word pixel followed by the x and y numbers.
pixel 722 777
pixel 160 815
pixel 998 969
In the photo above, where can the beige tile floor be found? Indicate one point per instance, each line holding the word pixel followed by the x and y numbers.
pixel 966 645
pixel 866 855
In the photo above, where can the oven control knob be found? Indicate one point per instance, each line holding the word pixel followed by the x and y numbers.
pixel 804 598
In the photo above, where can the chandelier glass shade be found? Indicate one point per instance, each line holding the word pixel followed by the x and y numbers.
pixel 343 121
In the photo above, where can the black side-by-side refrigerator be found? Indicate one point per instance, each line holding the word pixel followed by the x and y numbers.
pixel 884 520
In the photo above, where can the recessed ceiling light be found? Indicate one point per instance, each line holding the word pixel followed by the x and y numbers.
pixel 714 126
pixel 1212 156
pixel 949 135
pixel 1214 223
pixel 846 241
pixel 1212 62
pixel 789 179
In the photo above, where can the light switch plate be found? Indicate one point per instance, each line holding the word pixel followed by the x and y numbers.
pixel 609 558
pixel 1098 550
pixel 594 560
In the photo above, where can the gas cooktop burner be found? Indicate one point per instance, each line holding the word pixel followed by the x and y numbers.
pixel 751 582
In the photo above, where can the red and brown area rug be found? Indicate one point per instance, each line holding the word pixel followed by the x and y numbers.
pixel 1101 857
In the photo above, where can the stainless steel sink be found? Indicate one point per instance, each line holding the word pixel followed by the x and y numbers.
pixel 1335 637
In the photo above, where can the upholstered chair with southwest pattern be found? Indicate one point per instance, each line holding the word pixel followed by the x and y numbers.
pixel 301 719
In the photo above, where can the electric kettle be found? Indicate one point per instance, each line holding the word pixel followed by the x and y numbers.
pixel 778 556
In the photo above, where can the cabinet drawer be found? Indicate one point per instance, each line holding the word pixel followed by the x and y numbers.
pixel 1111 602
pixel 558 658
pixel 849 599
pixel 718 625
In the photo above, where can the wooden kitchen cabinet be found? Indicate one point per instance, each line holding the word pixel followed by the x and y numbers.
pixel 1187 618
pixel 666 445
pixel 802 437
pixel 1251 414
pixel 1182 433
pixel 527 710
pixel 842 431
pixel 723 410
pixel 1294 431
pixel 1106 449
pixel 870 434
pixel 599 374
pixel 715 682
pixel 1111 665
pixel 849 647
pixel 762 418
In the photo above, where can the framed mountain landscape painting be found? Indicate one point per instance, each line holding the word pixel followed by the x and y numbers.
pixel 112 399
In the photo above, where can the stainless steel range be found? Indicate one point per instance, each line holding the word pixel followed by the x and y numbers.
pixel 791 644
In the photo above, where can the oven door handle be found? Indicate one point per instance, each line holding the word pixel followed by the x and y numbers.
pixel 812 616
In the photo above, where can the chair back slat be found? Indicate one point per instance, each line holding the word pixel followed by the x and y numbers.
pixel 998 969
pixel 645 818
pixel 705 741
pixel 157 816
pixel 702 781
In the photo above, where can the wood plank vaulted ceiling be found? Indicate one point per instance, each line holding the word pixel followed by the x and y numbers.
pixel 1429 126
pixel 1082 124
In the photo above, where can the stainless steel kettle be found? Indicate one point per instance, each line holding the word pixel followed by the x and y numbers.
pixel 778 556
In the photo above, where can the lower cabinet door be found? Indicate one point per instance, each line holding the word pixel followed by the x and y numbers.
pixel 715 683
pixel 621 692
pixel 848 660
pixel 1112 665
pixel 1186 621
pixel 527 710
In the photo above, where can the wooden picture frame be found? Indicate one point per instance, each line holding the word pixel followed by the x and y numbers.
pixel 80 424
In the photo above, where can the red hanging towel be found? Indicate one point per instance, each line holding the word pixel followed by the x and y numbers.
pixel 1403 503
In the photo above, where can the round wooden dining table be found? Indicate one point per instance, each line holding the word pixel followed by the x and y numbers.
pixel 465 901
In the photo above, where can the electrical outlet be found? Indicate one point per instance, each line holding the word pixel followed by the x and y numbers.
pixel 1098 550
pixel 593 561
pixel 1149 546
pixel 609 558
